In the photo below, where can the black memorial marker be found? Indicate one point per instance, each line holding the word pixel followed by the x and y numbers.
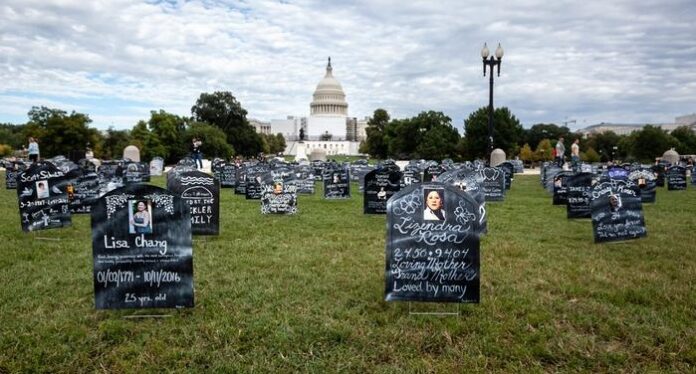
pixel 432 249
pixel 617 212
pixel 560 189
pixel 12 170
pixel 201 192
pixel 579 192
pixel 227 174
pixel 676 178
pixel 43 197
pixel 279 197
pixel 380 185
pixel 433 170
pixel 411 175
pixel 142 250
pixel 336 181
pixel 136 172
pixel 646 180
pixel 493 182
pixel 466 180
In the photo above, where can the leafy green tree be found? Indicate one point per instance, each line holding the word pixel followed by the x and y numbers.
pixel 439 139
pixel 222 109
pixel 114 142
pixel 273 144
pixel 214 143
pixel 375 144
pixel 60 133
pixel 526 153
pixel 148 142
pixel 169 129
pixel 507 132
pixel 604 144
pixel 687 140
pixel 590 155
pixel 543 150
pixel 13 135
pixel 542 131
pixel 651 142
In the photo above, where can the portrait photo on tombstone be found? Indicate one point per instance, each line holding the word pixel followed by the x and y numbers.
pixel 140 217
pixel 434 205
pixel 42 189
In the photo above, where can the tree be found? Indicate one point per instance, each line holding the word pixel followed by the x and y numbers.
pixel 13 135
pixel 60 133
pixel 222 109
pixel 526 153
pixel 214 143
pixel 590 155
pixel 375 144
pixel 507 132
pixel 604 144
pixel 651 142
pixel 542 131
pixel 114 142
pixel 428 135
pixel 169 130
pixel 543 150
pixel 149 144
pixel 687 140
pixel 273 144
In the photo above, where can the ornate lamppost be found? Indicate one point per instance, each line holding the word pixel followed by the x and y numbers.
pixel 492 62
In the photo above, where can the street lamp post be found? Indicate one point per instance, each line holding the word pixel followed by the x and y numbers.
pixel 492 62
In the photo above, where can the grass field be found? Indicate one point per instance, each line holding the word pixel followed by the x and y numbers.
pixel 305 293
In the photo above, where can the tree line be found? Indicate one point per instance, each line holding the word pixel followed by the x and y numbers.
pixel 430 135
pixel 218 119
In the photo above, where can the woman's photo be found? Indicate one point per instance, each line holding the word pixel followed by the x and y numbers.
pixel 434 205
pixel 140 217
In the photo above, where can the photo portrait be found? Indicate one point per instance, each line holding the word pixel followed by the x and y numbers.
pixel 42 189
pixel 434 205
pixel 140 216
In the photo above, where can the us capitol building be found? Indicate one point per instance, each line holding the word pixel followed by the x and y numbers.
pixel 328 126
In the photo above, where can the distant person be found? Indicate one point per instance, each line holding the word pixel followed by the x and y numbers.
pixel 196 153
pixel 33 150
pixel 89 154
pixel 575 153
pixel 433 206
pixel 560 152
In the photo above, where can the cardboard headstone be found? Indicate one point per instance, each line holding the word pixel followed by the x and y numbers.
pixel 43 197
pixel 380 185
pixel 509 170
pixel 617 212
pixel 432 248
pixel 493 182
pixel 467 180
pixel 560 189
pixel 659 170
pixel 676 178
pixel 411 175
pixel 336 181
pixel 646 180
pixel 12 170
pixel 254 180
pixel 202 194
pixel 305 181
pixel 142 249
pixel 83 190
pixel 136 172
pixel 227 174
pixel 433 170
pixel 279 197
pixel 579 192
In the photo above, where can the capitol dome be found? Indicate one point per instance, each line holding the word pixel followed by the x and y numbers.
pixel 329 98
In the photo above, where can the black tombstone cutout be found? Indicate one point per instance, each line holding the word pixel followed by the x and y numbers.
pixel 111 169
pixel 279 197
pixel 136 172
pixel 432 172
pixel 318 167
pixel 142 250
pixel 304 179
pixel 202 194
pixel 227 174
pixel 646 180
pixel 659 170
pixel 579 192
pixel 254 180
pixel 432 252
pixel 43 197
pixel 336 181
pixel 560 189
pixel 493 182
pixel 509 170
pixel 411 175
pixel 83 191
pixel 466 180
pixel 12 170
pixel 550 176
pixel 617 212
pixel 241 180
pixel 676 178
pixel 380 185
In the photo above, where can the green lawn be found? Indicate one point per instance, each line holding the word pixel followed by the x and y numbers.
pixel 305 293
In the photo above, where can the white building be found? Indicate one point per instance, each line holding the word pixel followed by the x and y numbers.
pixel 260 126
pixel 328 126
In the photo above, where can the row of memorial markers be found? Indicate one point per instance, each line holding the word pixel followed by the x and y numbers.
pixel 436 213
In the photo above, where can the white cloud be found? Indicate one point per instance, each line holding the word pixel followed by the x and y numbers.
pixel 620 61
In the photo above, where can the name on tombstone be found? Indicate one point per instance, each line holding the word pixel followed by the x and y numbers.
pixel 617 213
pixel 43 198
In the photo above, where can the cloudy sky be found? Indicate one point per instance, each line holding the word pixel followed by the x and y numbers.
pixel 593 61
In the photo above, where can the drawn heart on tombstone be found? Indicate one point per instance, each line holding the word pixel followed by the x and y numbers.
pixel 490 173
